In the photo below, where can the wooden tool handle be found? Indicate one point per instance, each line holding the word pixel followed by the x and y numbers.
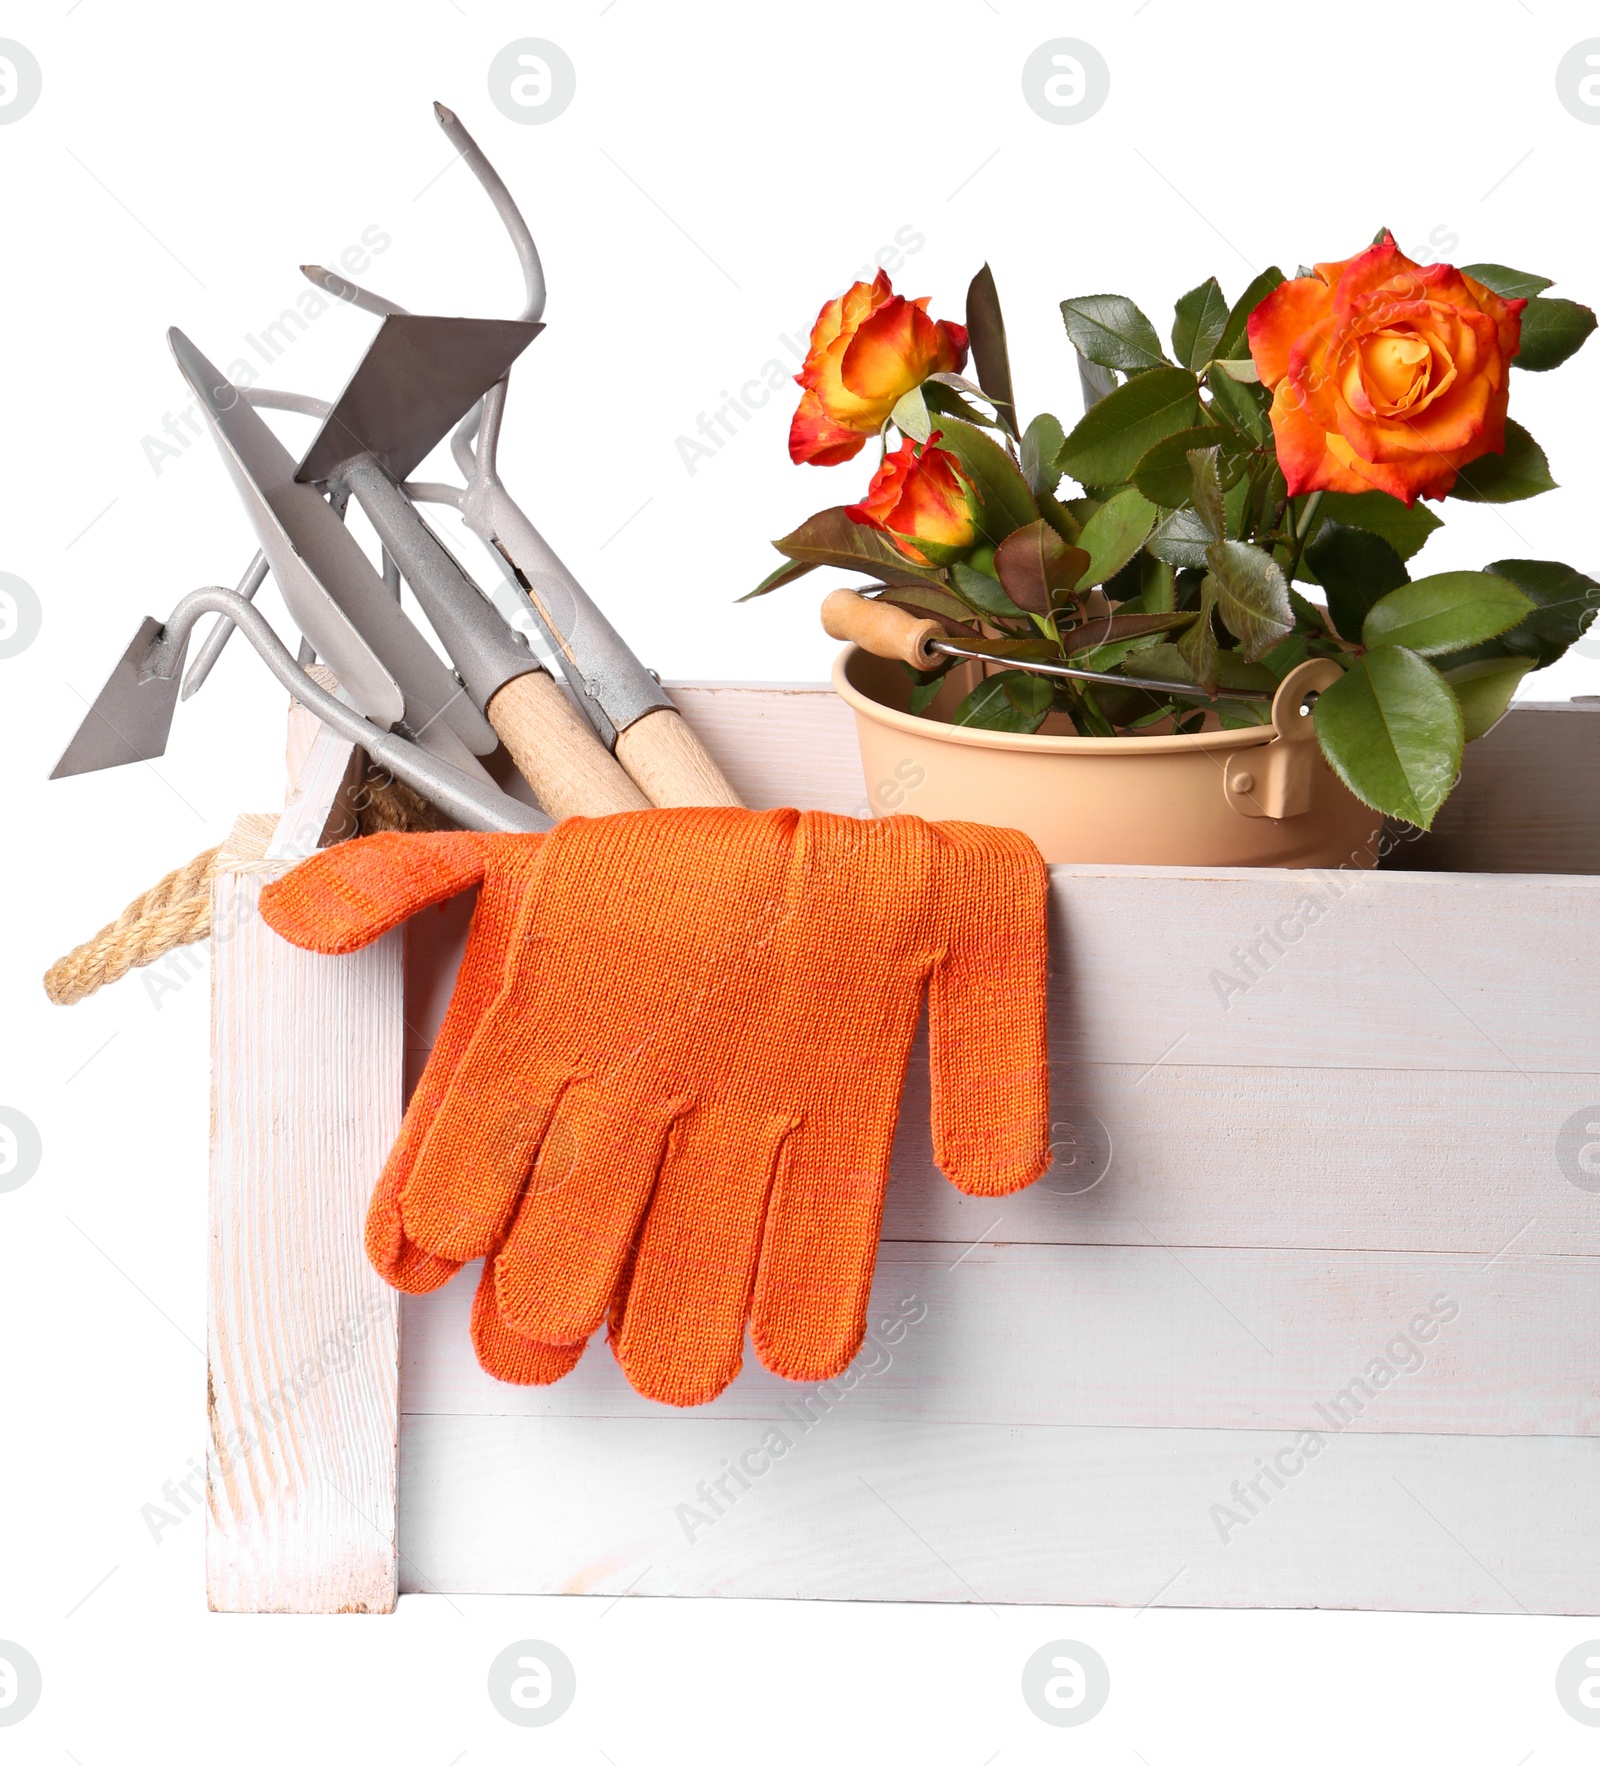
pixel 556 751
pixel 886 631
pixel 666 760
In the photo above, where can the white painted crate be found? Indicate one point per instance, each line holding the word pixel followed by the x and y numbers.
pixel 1326 1333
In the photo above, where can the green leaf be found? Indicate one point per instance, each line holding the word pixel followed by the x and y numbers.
pixel 785 573
pixel 1007 502
pixel 1283 658
pixel 1061 519
pixel 1113 534
pixel 1164 662
pixel 1521 471
pixel 1392 730
pixel 1552 330
pixel 1164 474
pixel 1120 628
pixel 1233 341
pixel 1011 701
pixel 1110 329
pixel 1110 439
pixel 925 598
pixel 1564 602
pixel 1235 501
pixel 986 333
pixel 1356 570
pixel 944 400
pixel 1199 320
pixel 1484 691
pixel 984 592
pixel 926 689
pixel 1036 565
pixel 1205 483
pixel 1451 611
pixel 1180 539
pixel 1157 585
pixel 1041 442
pixel 1198 646
pixel 831 537
pixel 1252 596
pixel 1245 405
pixel 910 415
pixel 1377 512
pixel 1511 284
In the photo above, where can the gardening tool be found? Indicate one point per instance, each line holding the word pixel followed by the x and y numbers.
pixel 626 704
pixel 263 398
pixel 410 387
pixel 890 632
pixel 132 714
pixel 339 602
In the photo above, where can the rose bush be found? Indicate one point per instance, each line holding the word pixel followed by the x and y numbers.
pixel 1385 375
pixel 868 349
pixel 1244 503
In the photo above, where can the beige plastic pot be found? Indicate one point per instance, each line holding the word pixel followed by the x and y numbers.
pixel 1259 796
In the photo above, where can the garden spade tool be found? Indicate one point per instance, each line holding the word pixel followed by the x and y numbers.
pixel 626 704
pixel 132 714
pixel 417 378
pixel 339 601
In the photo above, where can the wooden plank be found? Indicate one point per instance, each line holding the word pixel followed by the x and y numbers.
pixel 855 1510
pixel 779 745
pixel 302 1335
pixel 1410 1157
pixel 1275 1157
pixel 1135 1336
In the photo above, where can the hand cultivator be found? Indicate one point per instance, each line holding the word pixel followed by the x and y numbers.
pixel 606 738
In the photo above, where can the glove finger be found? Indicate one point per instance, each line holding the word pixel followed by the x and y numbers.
pixel 508 1356
pixel 988 1045
pixel 462 1190
pixel 577 1222
pixel 809 1312
pixel 401 1263
pixel 683 1324
pixel 350 894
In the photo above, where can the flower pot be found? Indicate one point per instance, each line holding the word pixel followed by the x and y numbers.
pixel 1257 796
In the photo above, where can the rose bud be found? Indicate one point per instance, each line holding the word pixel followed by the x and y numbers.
pixel 922 499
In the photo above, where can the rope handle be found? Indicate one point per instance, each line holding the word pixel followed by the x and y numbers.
pixel 177 909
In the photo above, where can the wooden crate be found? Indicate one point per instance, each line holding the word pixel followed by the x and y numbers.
pixel 1307 1314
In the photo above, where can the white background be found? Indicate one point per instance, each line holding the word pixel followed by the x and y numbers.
pixel 722 170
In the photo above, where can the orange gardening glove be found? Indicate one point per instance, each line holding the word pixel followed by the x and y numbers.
pixel 697 1050
pixel 373 885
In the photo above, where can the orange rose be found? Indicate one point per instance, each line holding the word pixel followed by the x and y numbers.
pixel 869 348
pixel 1385 375
pixel 920 494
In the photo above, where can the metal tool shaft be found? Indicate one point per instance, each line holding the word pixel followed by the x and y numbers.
pixel 471 802
pixel 1062 671
pixel 486 651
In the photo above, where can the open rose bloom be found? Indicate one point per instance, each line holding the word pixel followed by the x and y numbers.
pixel 868 349
pixel 1386 375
